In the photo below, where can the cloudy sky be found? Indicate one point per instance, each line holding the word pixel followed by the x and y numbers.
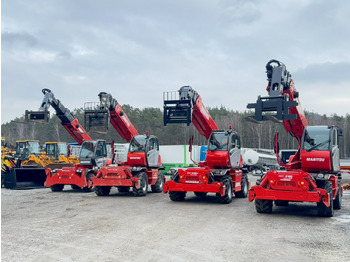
pixel 138 49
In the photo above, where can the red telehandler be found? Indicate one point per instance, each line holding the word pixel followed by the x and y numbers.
pixel 221 171
pixel 35 175
pixel 92 156
pixel 313 173
pixel 143 160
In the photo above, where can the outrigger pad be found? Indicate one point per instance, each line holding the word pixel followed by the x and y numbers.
pixel 177 112
pixel 277 108
pixel 37 116
pixel 96 118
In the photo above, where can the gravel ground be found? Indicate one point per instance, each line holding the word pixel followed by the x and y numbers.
pixel 39 225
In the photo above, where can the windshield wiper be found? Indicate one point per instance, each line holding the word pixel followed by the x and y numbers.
pixel 319 144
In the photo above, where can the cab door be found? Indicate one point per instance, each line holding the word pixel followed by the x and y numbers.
pixel 235 150
pixel 335 150
pixel 101 154
pixel 152 152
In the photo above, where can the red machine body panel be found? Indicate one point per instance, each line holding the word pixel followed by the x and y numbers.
pixel 137 159
pixel 218 159
pixel 316 161
pixel 68 176
pixel 121 176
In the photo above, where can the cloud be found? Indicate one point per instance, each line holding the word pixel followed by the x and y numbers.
pixel 137 50
pixel 18 40
pixel 330 73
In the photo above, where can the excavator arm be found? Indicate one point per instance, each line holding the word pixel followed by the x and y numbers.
pixel 186 106
pixel 96 115
pixel 68 121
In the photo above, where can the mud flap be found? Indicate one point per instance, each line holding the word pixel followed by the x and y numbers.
pixel 326 200
pixel 222 190
pixel 251 194
pixel 165 188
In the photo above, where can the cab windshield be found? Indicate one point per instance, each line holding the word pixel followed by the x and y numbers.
pixel 316 138
pixel 138 144
pixel 87 150
pixel 62 149
pixel 27 148
pixel 218 142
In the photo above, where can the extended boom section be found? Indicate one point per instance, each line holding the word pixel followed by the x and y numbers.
pixel 313 173
pixel 109 108
pixel 68 121
pixel 220 172
pixel 187 107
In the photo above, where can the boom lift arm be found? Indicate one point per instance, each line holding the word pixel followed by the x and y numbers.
pixel 68 121
pixel 187 107
pixel 282 104
pixel 98 116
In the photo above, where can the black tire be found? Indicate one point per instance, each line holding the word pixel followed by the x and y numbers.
pixel 75 187
pixel 158 186
pixel 322 210
pixel 57 188
pixel 142 191
pixel 177 195
pixel 88 178
pixel 227 198
pixel 200 194
pixel 263 206
pixel 102 190
pixel 281 203
pixel 244 186
pixel 123 189
pixel 338 200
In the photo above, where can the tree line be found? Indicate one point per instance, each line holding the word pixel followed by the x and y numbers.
pixel 151 120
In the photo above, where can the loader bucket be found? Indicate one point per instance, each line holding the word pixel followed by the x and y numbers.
pixel 97 118
pixel 25 178
pixel 177 112
pixel 38 116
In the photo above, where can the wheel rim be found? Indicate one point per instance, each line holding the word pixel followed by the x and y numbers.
pixel 229 190
pixel 144 188
pixel 245 189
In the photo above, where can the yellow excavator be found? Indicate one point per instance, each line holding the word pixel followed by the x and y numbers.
pixel 7 160
pixel 20 176
pixel 32 165
pixel 55 156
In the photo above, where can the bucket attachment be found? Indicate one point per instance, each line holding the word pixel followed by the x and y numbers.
pixel 37 116
pixel 95 117
pixel 176 111
pixel 25 178
pixel 272 107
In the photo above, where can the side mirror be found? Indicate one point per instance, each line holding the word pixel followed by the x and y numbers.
pixel 276 146
pixel 190 144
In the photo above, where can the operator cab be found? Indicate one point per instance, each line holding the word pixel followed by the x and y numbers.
pixel 224 149
pixel 93 153
pixel 320 149
pixel 26 147
pixel 144 151
pixel 56 149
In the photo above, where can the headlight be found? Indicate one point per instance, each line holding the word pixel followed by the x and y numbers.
pixel 320 175
pixel 79 171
